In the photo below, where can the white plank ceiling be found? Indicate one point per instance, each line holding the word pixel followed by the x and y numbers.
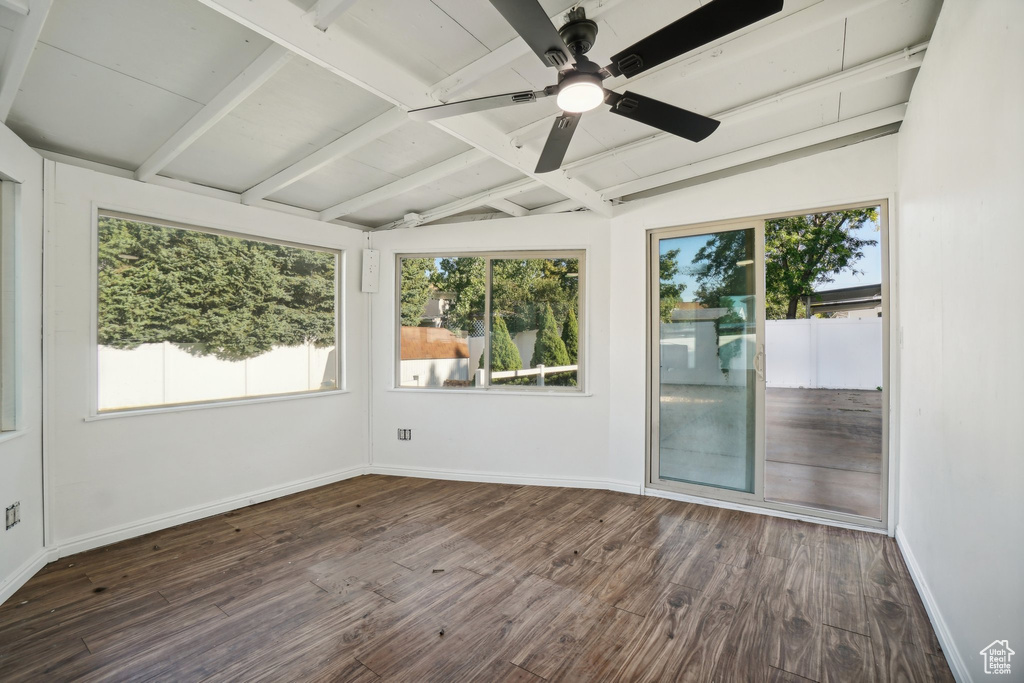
pixel 111 81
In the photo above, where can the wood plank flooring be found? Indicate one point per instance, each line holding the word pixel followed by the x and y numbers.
pixel 422 580
pixel 824 449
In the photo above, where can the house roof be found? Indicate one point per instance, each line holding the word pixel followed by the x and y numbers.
pixel 423 343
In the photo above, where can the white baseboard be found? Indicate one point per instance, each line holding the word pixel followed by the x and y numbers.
pixel 95 540
pixel 25 572
pixel 956 662
pixel 505 478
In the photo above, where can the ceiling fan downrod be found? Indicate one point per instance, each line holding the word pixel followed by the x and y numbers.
pixel 579 33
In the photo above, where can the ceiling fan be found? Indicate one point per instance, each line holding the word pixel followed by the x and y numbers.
pixel 579 86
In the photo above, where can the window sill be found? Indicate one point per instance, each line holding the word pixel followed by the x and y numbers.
pixel 493 392
pixel 228 403
pixel 12 435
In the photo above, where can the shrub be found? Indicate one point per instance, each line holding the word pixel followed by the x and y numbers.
pixel 549 349
pixel 571 337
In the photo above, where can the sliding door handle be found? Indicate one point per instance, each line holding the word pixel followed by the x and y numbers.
pixel 759 362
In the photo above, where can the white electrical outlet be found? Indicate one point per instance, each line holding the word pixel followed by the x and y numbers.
pixel 13 515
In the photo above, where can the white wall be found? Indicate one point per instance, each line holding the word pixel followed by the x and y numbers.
pixel 824 353
pixel 117 477
pixel 525 437
pixel 597 438
pixel 863 172
pixel 21 451
pixel 961 172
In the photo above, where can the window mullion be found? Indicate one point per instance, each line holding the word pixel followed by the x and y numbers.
pixel 487 321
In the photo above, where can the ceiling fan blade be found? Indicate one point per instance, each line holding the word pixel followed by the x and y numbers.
pixel 701 26
pixel 662 116
pixel 478 104
pixel 558 142
pixel 531 22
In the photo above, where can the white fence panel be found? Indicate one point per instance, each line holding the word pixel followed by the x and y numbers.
pixel 850 353
pixel 788 353
pixel 158 374
pixel 824 353
pixel 432 372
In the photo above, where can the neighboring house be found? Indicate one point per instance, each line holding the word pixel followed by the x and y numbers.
pixel 997 656
pixel 433 355
pixel 435 308
pixel 862 301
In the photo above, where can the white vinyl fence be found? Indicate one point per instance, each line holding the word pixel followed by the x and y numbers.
pixel 824 353
pixel 820 353
pixel 161 374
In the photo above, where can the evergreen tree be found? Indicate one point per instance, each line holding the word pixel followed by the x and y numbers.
pixel 210 294
pixel 571 336
pixel 416 289
pixel 549 349
pixel 504 353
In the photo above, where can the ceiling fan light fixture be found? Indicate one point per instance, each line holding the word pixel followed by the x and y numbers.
pixel 580 95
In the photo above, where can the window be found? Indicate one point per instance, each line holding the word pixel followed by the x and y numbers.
pixel 187 315
pixel 503 320
pixel 8 305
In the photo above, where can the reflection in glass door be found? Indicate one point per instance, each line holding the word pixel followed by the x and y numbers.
pixel 705 399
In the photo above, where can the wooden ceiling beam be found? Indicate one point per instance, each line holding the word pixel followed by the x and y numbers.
pixel 460 205
pixel 402 185
pixel 19 6
pixel 326 12
pixel 511 208
pixel 732 49
pixel 19 52
pixel 808 138
pixel 349 142
pixel 374 71
pixel 222 104
pixel 474 72
pixel 833 84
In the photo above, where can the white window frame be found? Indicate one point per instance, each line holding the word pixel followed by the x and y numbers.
pixel 339 315
pixel 501 255
pixel 10 327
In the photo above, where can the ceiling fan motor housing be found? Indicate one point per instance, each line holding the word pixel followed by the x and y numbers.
pixel 579 33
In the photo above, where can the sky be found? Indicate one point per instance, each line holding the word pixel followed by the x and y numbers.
pixel 871 263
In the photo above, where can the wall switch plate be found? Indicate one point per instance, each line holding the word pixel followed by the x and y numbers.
pixel 371 271
pixel 405 435
pixel 13 515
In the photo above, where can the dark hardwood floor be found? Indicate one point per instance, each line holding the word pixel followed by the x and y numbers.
pixel 422 580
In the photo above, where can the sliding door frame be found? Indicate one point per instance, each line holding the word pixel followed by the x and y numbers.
pixel 756 499
pixel 654 358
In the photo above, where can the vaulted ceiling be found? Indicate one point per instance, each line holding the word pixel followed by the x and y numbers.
pixel 299 105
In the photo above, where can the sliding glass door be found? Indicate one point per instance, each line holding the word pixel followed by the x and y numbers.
pixel 804 430
pixel 706 348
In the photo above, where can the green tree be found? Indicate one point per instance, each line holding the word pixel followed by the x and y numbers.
pixel 416 289
pixel 549 349
pixel 725 281
pixel 571 336
pixel 670 292
pixel 504 353
pixel 462 278
pixel 210 294
pixel 520 286
pixel 802 252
